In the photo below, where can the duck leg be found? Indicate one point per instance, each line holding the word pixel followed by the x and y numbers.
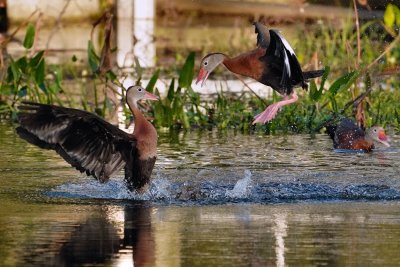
pixel 270 112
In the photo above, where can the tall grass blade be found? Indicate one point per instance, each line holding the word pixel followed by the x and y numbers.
pixel 187 72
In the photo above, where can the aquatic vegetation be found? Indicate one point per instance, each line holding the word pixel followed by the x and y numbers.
pixel 181 106
pixel 347 80
pixel 29 77
pixel 26 77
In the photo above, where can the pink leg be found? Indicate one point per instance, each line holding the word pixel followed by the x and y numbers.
pixel 270 112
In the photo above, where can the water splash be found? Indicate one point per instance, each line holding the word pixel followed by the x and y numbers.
pixel 113 189
pixel 214 191
pixel 242 188
pixel 160 188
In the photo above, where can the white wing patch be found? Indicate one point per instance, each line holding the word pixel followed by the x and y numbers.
pixel 287 45
pixel 289 49
pixel 287 65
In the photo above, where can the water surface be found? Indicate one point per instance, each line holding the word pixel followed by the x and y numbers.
pixel 217 199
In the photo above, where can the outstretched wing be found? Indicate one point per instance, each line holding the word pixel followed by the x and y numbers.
pixel 263 38
pixel 291 70
pixel 83 139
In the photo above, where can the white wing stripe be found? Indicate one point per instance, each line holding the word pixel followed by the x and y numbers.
pixel 287 65
pixel 287 45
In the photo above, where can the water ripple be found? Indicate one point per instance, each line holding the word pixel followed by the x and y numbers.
pixel 244 190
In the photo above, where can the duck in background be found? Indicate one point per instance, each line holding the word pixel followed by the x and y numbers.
pixel 92 145
pixel 347 135
pixel 272 63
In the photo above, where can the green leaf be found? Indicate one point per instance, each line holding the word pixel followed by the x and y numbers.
pixel 185 120
pixel 389 15
pixel 93 58
pixel 36 59
pixel 16 74
pixel 397 13
pixel 324 77
pixel 186 73
pixel 171 90
pixel 43 87
pixel 111 75
pixel 53 88
pixel 40 72
pixel 178 111
pixel 138 68
pixel 334 104
pixel 6 89
pixel 29 36
pixel 152 82
pixel 177 107
pixel 343 82
pixel 58 79
pixel 314 92
pixel 22 63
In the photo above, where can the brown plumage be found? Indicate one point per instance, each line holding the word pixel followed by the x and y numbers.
pixel 92 145
pixel 247 64
pixel 347 135
pixel 272 63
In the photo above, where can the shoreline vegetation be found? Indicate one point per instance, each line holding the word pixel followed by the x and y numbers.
pixel 361 59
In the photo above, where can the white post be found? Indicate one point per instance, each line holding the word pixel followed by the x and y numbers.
pixel 125 33
pixel 143 15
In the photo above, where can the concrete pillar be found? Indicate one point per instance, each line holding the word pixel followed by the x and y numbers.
pixel 144 48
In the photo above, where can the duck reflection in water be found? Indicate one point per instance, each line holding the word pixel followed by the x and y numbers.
pixel 138 234
pixel 99 240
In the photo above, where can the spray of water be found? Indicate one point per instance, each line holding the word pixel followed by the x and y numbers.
pixel 242 188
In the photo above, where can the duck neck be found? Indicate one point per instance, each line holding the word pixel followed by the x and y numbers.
pixel 141 124
pixel 239 65
pixel 369 141
pixel 369 137
pixel 144 133
pixel 140 120
pixel 230 64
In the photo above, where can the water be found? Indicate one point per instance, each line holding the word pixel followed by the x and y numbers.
pixel 217 199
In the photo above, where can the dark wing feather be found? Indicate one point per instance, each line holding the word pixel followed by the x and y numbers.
pixel 282 69
pixel 138 172
pixel 83 139
pixel 331 130
pixel 348 125
pixel 347 132
pixel 263 38
pixel 291 69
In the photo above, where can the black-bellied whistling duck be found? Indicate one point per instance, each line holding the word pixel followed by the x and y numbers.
pixel 272 63
pixel 92 145
pixel 347 135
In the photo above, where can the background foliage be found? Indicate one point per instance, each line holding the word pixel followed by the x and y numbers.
pixel 29 77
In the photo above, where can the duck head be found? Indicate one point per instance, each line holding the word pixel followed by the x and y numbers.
pixel 208 64
pixel 377 134
pixel 136 93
